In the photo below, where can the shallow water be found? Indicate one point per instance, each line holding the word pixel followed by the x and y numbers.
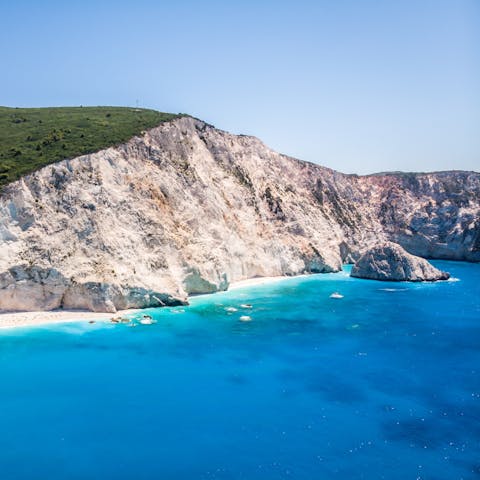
pixel 383 383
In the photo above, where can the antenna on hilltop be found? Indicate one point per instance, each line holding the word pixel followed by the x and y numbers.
pixel 136 104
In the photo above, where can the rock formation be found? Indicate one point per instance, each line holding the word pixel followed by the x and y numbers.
pixel 390 261
pixel 187 208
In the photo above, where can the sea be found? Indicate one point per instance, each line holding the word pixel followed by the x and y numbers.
pixel 273 381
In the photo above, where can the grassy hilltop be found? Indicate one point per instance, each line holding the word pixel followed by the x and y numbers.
pixel 31 138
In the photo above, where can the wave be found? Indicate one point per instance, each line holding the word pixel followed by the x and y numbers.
pixel 393 289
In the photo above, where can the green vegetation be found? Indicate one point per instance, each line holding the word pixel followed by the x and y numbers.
pixel 31 138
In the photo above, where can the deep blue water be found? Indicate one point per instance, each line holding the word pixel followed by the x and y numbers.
pixel 384 383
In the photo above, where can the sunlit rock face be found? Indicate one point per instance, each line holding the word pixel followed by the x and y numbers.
pixel 390 262
pixel 187 209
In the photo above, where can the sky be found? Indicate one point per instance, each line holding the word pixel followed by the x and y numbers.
pixel 360 86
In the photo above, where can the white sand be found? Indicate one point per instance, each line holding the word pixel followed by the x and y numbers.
pixel 251 282
pixel 24 319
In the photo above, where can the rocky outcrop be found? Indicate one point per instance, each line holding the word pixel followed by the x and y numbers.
pixel 390 262
pixel 187 209
pixel 33 288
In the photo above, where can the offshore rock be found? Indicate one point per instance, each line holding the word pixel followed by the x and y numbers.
pixel 390 261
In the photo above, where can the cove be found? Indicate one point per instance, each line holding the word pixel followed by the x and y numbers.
pixel 382 383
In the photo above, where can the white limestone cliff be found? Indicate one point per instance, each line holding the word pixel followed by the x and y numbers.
pixel 187 209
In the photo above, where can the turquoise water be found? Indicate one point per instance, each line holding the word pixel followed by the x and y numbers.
pixel 383 383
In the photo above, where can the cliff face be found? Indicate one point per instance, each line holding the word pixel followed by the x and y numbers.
pixel 188 208
pixel 434 215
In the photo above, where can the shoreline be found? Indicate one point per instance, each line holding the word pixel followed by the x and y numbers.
pixel 31 319
pixel 256 281
pixel 10 320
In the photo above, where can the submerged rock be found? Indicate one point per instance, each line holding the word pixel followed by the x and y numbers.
pixel 390 261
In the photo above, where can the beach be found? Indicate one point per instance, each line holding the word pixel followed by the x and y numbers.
pixel 26 319
pixel 256 281
pixel 30 319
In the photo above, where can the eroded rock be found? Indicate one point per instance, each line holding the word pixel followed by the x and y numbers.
pixel 391 262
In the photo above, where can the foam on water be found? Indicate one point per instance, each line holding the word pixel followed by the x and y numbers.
pixel 392 289
pixel 377 385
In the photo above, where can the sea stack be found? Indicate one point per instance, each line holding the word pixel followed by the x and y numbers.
pixel 390 262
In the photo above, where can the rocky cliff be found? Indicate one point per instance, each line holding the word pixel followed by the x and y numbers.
pixel 187 208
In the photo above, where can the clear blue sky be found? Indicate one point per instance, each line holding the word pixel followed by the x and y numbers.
pixel 359 85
